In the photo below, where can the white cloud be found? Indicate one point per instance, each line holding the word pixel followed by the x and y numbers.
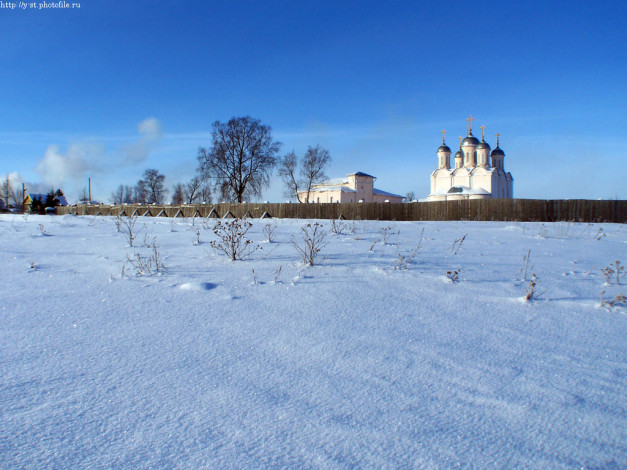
pixel 151 133
pixel 150 129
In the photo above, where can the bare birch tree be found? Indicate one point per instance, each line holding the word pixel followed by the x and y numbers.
pixel 197 191
pixel 241 158
pixel 152 187
pixel 178 197
pixel 311 171
pixel 288 165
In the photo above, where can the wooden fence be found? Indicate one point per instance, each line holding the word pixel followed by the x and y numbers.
pixel 523 210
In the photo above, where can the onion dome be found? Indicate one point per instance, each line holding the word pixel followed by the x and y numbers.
pixel 483 145
pixel 497 152
pixel 459 154
pixel 444 147
pixel 470 140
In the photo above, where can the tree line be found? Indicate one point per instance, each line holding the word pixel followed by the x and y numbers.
pixel 237 166
pixel 151 189
pixel 12 198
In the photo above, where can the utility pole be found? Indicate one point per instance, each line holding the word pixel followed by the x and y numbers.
pixel 89 190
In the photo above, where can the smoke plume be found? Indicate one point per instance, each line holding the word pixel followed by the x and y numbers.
pixel 150 132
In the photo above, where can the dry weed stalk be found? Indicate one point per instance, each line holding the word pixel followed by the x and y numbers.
pixel 614 268
pixel 457 244
pixel 619 300
pixel 522 274
pixel 277 274
pixel 269 229
pixel 232 240
pixel 618 269
pixel 532 288
pixel 314 240
pixel 403 261
pixel 453 275
pixel 376 240
pixel 126 225
pixel 385 233
pixel 146 266
pixel 337 227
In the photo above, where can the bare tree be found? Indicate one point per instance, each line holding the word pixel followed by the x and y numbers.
pixel 6 192
pixel 205 194
pixel 241 158
pixel 287 171
pixel 313 164
pixel 18 198
pixel 191 190
pixel 151 189
pixel 84 197
pixel 125 194
pixel 140 195
pixel 410 196
pixel 311 171
pixel 10 195
pixel 177 194
pixel 197 191
pixel 129 196
pixel 117 196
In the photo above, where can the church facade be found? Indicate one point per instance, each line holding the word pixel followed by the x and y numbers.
pixel 477 172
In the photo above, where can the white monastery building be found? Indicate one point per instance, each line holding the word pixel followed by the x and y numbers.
pixel 476 173
pixel 356 187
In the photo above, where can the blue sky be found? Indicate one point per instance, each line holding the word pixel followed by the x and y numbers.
pixel 114 87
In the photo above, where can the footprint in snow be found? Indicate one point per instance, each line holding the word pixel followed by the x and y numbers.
pixel 198 286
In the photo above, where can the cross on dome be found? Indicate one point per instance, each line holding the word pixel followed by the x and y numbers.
pixel 470 119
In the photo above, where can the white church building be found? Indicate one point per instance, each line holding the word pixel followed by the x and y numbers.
pixel 356 187
pixel 476 173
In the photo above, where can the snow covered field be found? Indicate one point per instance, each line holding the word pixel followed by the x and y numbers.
pixel 354 362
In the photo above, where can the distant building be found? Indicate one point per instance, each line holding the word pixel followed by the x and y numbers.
pixel 356 187
pixel 476 173
pixel 58 199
